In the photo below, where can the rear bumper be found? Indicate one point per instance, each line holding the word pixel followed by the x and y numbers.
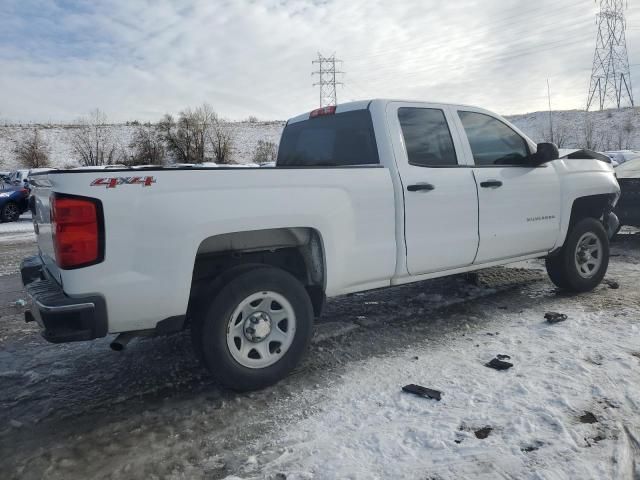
pixel 62 318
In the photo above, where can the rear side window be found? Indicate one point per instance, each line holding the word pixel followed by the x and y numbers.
pixel 427 137
pixel 492 142
pixel 342 139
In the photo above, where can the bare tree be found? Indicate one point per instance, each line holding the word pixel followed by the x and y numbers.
pixel 589 140
pixel 628 128
pixel 265 152
pixel 32 151
pixel 147 146
pixel 561 136
pixel 605 141
pixel 187 136
pixel 221 141
pixel 92 142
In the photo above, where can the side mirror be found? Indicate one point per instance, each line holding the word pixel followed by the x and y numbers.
pixel 547 152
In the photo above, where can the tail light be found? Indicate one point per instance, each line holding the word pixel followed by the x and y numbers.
pixel 78 231
pixel 321 112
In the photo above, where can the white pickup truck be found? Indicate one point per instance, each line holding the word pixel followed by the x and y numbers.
pixel 363 196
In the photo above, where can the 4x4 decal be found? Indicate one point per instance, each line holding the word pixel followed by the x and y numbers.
pixel 115 181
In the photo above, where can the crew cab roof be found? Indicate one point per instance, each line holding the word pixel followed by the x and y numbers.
pixel 363 104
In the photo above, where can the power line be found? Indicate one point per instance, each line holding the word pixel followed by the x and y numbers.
pixel 610 75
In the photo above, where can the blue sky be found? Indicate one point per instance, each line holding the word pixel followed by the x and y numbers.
pixel 140 59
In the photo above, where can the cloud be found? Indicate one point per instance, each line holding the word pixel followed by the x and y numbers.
pixel 140 59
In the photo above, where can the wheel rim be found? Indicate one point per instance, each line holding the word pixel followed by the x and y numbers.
pixel 588 256
pixel 11 212
pixel 261 329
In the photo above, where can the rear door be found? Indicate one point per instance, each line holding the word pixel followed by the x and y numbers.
pixel 519 203
pixel 440 197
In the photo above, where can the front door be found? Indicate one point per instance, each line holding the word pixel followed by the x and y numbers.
pixel 440 197
pixel 519 203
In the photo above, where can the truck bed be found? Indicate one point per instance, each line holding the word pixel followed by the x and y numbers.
pixel 157 221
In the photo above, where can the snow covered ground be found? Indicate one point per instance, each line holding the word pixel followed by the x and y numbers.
pixel 79 411
pixel 22 230
pixel 365 427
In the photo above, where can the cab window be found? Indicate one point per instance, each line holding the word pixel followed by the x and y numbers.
pixel 427 137
pixel 493 142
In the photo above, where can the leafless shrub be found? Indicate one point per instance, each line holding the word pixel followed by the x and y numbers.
pixel 605 141
pixel 252 119
pixel 186 137
pixel 147 147
pixel 265 152
pixel 92 142
pixel 32 151
pixel 221 142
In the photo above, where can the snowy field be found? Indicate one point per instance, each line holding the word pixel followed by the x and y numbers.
pixel 568 409
pixel 612 130
pixel 58 137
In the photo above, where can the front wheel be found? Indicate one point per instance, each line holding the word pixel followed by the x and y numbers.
pixel 582 262
pixel 256 329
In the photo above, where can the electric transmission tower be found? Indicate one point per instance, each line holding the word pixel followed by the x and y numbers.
pixel 327 79
pixel 610 75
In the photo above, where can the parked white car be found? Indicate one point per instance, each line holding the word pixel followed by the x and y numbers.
pixel 367 195
pixel 622 156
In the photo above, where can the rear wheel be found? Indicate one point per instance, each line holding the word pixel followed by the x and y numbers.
pixel 10 212
pixel 255 330
pixel 582 262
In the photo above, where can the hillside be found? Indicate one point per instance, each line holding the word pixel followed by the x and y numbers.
pixel 58 138
pixel 607 130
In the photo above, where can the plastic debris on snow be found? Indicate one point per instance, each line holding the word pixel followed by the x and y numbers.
pixel 423 391
pixel 500 363
pixel 555 317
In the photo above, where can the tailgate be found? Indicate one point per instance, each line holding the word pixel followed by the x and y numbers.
pixel 41 191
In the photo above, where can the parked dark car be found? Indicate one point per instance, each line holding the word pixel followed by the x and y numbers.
pixel 628 208
pixel 14 201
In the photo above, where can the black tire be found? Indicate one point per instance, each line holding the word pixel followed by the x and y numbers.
pixel 562 268
pixel 615 237
pixel 10 212
pixel 198 310
pixel 209 329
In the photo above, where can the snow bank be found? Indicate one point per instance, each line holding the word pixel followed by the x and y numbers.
pixel 19 231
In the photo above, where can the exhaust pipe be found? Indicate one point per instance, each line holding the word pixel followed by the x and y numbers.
pixel 122 340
